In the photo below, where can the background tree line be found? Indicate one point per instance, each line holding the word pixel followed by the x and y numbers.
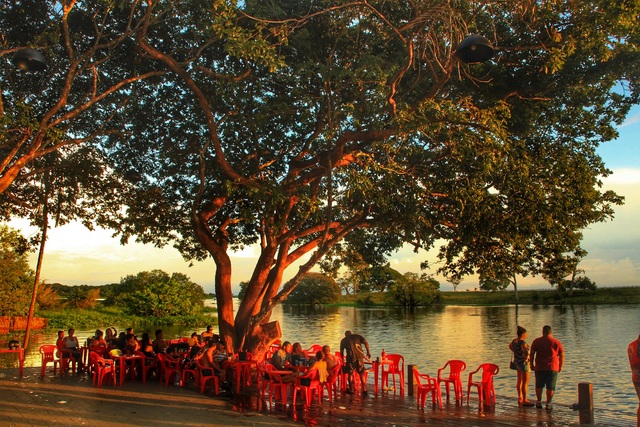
pixel 408 290
pixel 148 293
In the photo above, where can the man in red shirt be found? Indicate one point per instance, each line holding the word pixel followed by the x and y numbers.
pixel 547 358
pixel 634 361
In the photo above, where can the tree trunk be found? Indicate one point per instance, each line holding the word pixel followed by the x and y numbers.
pixel 262 337
pixel 224 299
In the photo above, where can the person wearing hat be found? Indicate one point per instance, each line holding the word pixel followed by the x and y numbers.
pixel 520 350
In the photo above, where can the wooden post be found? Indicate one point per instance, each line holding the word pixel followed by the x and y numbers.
pixel 585 397
pixel 410 380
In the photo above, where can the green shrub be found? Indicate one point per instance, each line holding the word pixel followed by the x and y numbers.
pixel 365 299
pixel 412 291
pixel 315 288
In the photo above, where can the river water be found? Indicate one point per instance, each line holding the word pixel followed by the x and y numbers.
pixel 595 339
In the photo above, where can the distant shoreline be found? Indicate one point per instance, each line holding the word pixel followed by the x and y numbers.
pixel 621 295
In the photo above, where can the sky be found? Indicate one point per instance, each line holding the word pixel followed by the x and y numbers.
pixel 77 256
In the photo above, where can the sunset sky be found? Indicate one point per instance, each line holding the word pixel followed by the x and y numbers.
pixel 76 256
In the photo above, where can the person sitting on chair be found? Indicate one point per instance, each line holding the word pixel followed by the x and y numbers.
pixel 72 347
pixel 159 344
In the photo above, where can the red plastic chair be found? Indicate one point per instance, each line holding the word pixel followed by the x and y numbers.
pixel 263 381
pixel 343 378
pixel 66 358
pixel 98 349
pixel 206 374
pixel 395 366
pixel 102 368
pixel 148 364
pixel 270 352
pixel 93 365
pixel 275 384
pixel 247 369
pixel 168 368
pixel 48 352
pixel 455 368
pixel 485 389
pixel 314 386
pixel 190 369
pixel 311 351
pixel 425 385
pixel 332 382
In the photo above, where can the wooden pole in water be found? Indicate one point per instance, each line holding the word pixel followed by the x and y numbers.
pixel 585 397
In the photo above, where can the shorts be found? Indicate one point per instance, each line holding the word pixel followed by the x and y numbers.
pixel 356 365
pixel 522 367
pixel 546 379
pixel 637 386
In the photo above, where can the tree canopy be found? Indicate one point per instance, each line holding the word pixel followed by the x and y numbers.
pixel 412 290
pixel 315 288
pixel 51 120
pixel 156 293
pixel 299 126
pixel 16 278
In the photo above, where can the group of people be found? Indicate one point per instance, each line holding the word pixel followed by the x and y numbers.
pixel 545 357
pixel 205 346
pixel 351 351
pixel 69 348
pixel 205 349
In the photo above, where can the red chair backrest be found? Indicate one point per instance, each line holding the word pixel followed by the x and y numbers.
pixel 335 372
pixel 98 349
pixel 270 352
pixel 416 376
pixel 455 368
pixel 311 373
pixel 488 371
pixel 48 352
pixel 162 358
pixel 397 361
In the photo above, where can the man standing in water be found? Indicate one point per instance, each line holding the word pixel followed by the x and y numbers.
pixel 633 351
pixel 547 358
pixel 352 354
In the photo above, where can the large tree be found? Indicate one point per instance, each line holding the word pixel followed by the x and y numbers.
pixel 300 125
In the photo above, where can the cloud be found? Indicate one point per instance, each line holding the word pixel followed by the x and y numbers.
pixel 630 120
pixel 622 176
